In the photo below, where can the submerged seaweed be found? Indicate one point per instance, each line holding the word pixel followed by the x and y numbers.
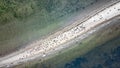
pixel 99 58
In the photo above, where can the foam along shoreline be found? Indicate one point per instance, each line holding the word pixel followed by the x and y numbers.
pixel 41 48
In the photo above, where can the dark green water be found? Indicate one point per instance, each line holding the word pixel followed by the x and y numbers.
pixel 105 56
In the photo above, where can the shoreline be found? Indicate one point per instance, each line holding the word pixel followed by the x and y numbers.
pixel 84 14
pixel 61 55
pixel 84 36
pixel 48 38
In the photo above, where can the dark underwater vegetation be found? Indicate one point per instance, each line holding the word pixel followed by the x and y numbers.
pixel 105 56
